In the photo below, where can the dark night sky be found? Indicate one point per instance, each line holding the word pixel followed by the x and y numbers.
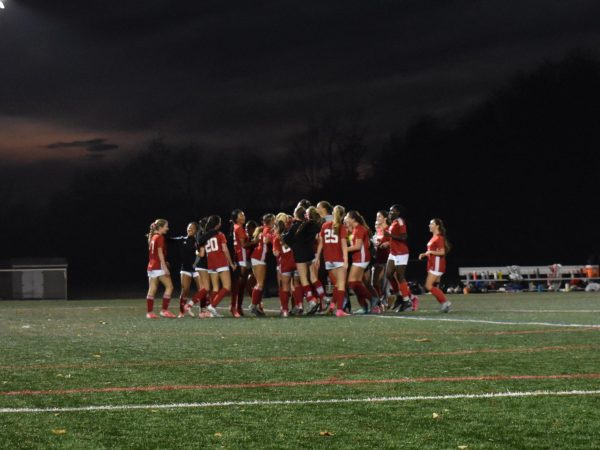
pixel 87 81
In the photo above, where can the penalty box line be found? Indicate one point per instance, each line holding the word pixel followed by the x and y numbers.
pixel 487 395
pixel 493 322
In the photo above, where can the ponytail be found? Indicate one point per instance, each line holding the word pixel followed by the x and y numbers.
pixel 442 228
pixel 338 216
pixel 154 226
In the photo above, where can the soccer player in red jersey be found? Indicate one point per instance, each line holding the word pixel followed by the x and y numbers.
pixel 259 263
pixel 158 270
pixel 382 253
pixel 398 259
pixel 219 263
pixel 437 249
pixel 361 258
pixel 286 265
pixel 242 245
pixel 333 243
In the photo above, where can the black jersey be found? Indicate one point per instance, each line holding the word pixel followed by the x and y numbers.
pixel 187 251
pixel 301 239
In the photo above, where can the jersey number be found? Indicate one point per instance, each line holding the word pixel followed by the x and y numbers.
pixel 212 245
pixel 331 237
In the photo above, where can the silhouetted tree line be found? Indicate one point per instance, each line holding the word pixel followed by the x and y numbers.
pixel 514 179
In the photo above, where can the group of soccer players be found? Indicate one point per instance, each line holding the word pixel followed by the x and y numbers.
pixel 314 245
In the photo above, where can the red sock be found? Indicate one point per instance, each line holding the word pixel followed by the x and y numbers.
pixel 165 302
pixel 298 296
pixel 181 303
pixel 284 297
pixel 319 289
pixel 308 293
pixel 211 297
pixel 234 295
pixel 149 303
pixel 338 298
pixel 394 285
pixel 199 296
pixel 404 290
pixel 361 292
pixel 256 295
pixel 220 296
pixel 438 294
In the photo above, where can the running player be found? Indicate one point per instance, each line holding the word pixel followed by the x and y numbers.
pixel 398 259
pixel 361 258
pixel 158 270
pixel 437 249
pixel 333 244
pixel 219 263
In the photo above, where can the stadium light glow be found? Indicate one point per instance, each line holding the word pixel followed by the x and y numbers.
pixel 1 5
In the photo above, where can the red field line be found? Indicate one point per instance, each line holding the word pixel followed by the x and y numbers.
pixel 229 361
pixel 329 381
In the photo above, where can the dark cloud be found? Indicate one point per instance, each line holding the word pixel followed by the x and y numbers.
pixel 91 145
pixel 242 72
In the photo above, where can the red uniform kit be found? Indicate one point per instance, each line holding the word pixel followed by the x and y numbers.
pixel 398 227
pixel 216 256
pixel 157 241
pixel 260 252
pixel 285 261
pixel 241 253
pixel 382 253
pixel 361 257
pixel 332 243
pixel 436 264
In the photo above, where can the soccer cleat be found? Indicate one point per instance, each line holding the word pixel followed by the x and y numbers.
pixel 240 311
pixel 312 307
pixel 204 314
pixel 213 312
pixel 361 312
pixel 284 313
pixel 253 309
pixel 187 309
pixel 405 305
pixel 341 313
pixel 234 312
pixel 415 303
pixel 446 307
pixel 151 315
pixel 260 309
pixel 168 314
pixel 180 315
pixel 376 310
pixel 297 311
pixel 397 303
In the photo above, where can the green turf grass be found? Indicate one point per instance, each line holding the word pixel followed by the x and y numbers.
pixel 75 345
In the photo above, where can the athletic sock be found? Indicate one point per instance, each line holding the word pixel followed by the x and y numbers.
pixel 165 302
pixel 149 303
pixel 308 293
pixel 256 295
pixel 319 289
pixel 404 290
pixel 438 294
pixel 181 303
pixel 220 296
pixel 338 298
pixel 298 296
pixel 284 297
pixel 361 292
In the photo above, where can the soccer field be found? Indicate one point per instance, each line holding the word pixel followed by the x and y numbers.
pixel 500 371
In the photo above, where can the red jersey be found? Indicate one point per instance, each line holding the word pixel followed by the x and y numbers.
pixel 157 241
pixel 381 253
pixel 240 235
pixel 362 254
pixel 436 263
pixel 397 227
pixel 214 252
pixel 332 243
pixel 266 236
pixel 285 260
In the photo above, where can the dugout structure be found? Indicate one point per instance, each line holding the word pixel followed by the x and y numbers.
pixel 25 279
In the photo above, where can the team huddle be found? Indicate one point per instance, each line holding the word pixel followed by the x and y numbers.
pixel 316 245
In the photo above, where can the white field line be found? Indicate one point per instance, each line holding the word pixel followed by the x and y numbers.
pixel 301 402
pixel 494 322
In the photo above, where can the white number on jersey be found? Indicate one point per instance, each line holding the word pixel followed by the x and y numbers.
pixel 331 237
pixel 212 245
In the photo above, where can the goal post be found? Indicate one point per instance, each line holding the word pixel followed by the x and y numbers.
pixel 21 282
